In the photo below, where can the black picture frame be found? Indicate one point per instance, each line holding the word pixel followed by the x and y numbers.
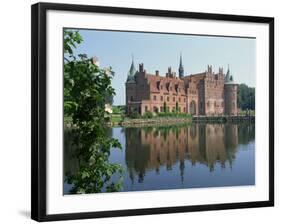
pixel 39 122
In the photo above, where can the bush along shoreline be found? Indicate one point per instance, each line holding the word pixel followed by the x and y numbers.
pixel 148 118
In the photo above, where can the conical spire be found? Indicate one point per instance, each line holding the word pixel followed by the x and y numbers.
pixel 132 71
pixel 181 61
pixel 181 69
pixel 228 77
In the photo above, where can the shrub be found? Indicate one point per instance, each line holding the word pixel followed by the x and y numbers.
pixel 134 115
pixel 171 114
pixel 148 114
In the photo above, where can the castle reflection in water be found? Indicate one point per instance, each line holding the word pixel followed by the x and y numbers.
pixel 150 148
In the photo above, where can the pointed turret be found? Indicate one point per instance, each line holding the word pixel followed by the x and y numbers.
pixel 131 72
pixel 230 94
pixel 228 77
pixel 181 69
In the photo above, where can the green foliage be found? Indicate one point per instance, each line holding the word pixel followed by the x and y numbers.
pixel 172 114
pixel 118 109
pixel 117 118
pixel 165 107
pixel 177 107
pixel 246 97
pixel 70 40
pixel 86 89
pixel 247 113
pixel 109 98
pixel 147 114
pixel 134 114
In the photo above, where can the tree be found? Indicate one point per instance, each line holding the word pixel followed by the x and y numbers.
pixel 165 107
pixel 86 89
pixel 177 107
pixel 246 97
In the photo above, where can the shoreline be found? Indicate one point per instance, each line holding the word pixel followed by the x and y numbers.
pixel 150 121
pixel 224 119
pixel 175 120
pixel 159 121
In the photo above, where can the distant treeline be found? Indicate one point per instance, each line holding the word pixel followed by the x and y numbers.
pixel 246 97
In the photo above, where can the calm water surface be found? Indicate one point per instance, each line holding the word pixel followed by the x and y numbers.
pixel 172 157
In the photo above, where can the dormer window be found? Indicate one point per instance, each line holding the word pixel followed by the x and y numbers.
pixel 177 87
pixel 158 85
pixel 168 86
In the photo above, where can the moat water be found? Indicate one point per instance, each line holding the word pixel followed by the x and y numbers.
pixel 173 157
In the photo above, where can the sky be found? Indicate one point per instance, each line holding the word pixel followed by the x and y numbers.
pixel 159 51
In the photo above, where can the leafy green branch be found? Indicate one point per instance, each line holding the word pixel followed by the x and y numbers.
pixel 86 89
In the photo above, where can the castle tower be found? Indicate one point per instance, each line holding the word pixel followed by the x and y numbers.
pixel 130 86
pixel 181 69
pixel 230 94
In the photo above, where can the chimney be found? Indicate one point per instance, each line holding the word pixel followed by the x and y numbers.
pixel 141 67
pixel 169 70
pixel 157 73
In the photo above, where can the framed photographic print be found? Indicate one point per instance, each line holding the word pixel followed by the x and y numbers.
pixel 140 111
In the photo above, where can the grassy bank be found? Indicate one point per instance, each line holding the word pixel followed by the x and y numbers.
pixel 119 120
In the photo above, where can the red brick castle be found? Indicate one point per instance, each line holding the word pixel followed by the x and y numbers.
pixel 207 93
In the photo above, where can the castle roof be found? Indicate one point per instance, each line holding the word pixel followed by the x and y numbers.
pixel 228 77
pixel 166 82
pixel 131 73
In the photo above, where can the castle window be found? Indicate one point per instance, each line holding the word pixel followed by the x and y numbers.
pixel 158 85
pixel 161 98
pixel 161 109
pixel 154 98
pixel 184 109
pixel 179 99
pixel 168 98
pixel 174 99
pixel 146 108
